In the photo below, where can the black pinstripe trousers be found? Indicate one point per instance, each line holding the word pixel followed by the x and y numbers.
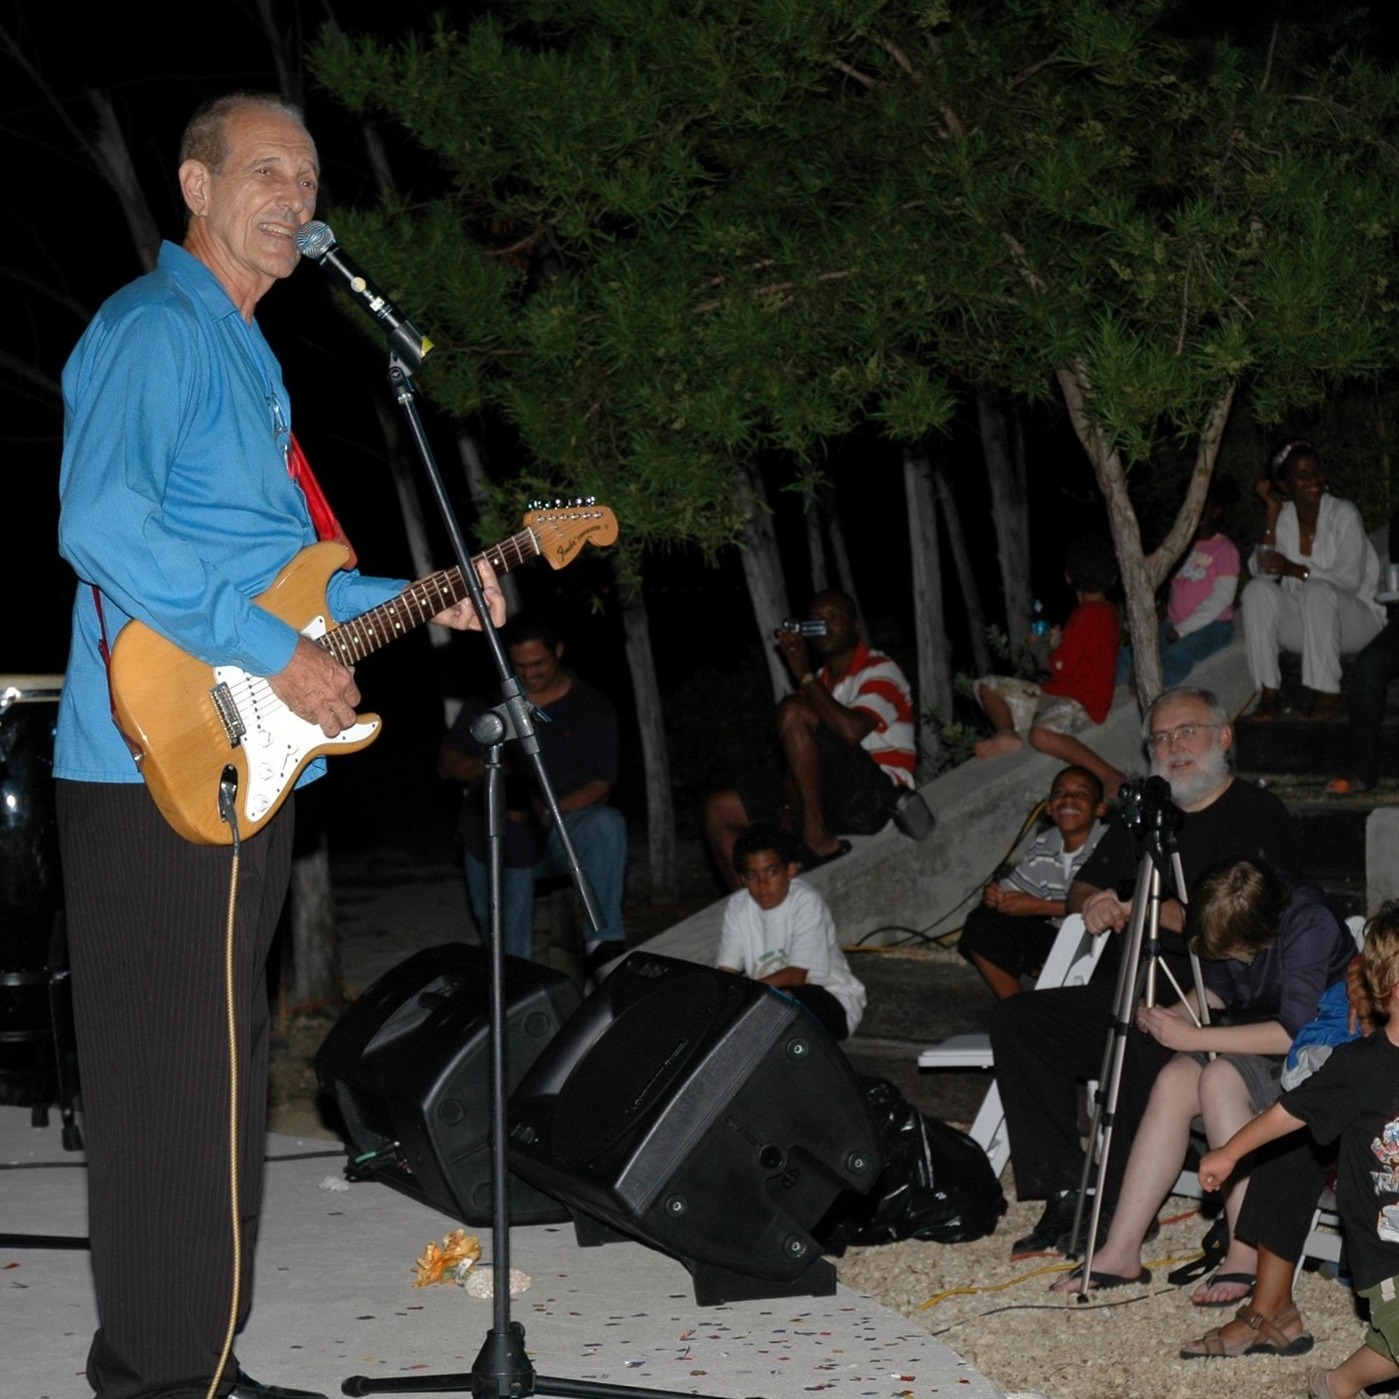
pixel 147 916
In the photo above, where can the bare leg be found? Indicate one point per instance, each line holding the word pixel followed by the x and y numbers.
pixel 1155 1161
pixel 1005 739
pixel 1068 750
pixel 1001 982
pixel 1225 1107
pixel 796 731
pixel 1360 1368
pixel 724 817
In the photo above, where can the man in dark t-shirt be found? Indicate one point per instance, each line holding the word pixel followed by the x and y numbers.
pixel 1047 1043
pixel 577 734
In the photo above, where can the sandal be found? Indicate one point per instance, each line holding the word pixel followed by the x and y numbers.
pixel 1264 1337
pixel 1319 1387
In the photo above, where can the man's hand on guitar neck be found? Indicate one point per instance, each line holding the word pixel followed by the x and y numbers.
pixel 317 688
pixel 461 616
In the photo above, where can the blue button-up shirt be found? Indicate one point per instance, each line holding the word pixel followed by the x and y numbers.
pixel 176 500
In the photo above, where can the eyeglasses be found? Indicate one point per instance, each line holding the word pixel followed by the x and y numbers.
pixel 1183 733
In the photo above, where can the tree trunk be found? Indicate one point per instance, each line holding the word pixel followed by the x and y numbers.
pixel 314 940
pixel 815 546
pixel 934 671
pixel 1143 574
pixel 762 570
pixel 1003 447
pixel 844 572
pixel 966 578
pixel 112 157
pixel 655 757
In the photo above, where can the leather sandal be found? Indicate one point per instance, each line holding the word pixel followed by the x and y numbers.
pixel 1264 1337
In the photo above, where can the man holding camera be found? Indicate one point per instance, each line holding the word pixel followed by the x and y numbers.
pixel 847 741
pixel 1047 1043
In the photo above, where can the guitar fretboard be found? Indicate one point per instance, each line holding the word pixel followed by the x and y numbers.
pixel 420 602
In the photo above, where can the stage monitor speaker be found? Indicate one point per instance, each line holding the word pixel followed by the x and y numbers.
pixel 703 1114
pixel 408 1067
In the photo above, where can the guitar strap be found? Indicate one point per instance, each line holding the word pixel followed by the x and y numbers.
pixel 322 517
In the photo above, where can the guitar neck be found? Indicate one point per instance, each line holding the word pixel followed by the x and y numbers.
pixel 420 602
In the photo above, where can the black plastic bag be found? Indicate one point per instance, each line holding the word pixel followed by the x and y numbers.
pixel 937 1184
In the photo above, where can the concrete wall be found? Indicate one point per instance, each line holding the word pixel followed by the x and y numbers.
pixel 889 883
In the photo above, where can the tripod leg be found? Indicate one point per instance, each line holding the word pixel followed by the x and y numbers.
pixel 1145 910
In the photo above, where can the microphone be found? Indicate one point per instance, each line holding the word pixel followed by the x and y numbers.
pixel 317 242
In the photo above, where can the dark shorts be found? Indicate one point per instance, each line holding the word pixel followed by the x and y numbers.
pixel 1016 945
pixel 859 796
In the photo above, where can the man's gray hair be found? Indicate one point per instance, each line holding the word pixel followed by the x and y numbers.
pixel 1219 716
pixel 205 139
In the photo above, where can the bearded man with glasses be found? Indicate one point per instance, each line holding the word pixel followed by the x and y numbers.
pixel 1048 1043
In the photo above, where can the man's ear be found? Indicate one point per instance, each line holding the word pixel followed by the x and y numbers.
pixel 1226 737
pixel 1100 810
pixel 794 868
pixel 194 186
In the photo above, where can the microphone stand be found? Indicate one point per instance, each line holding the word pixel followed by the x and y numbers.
pixel 502 1369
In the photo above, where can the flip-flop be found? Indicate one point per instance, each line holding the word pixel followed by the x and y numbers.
pixel 1246 1280
pixel 1105 1282
pixel 843 847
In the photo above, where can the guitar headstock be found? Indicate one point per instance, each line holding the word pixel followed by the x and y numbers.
pixel 564 527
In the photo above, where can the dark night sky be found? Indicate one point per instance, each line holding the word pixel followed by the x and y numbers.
pixel 68 247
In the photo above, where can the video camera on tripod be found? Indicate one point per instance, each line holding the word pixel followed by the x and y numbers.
pixel 1147 806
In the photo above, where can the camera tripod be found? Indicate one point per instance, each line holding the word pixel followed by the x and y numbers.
pixel 1147 809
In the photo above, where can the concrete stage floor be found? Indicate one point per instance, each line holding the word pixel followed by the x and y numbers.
pixel 335 1298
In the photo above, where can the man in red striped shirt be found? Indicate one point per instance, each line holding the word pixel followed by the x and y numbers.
pixel 847 738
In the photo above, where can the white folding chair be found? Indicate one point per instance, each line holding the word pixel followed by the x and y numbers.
pixel 1070 963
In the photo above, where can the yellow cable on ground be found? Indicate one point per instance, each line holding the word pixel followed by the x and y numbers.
pixel 1170 1260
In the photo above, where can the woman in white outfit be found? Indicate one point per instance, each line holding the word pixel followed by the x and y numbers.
pixel 1316 576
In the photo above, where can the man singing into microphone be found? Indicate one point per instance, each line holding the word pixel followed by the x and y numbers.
pixel 177 510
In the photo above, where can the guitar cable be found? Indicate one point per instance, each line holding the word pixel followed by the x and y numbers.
pixel 228 813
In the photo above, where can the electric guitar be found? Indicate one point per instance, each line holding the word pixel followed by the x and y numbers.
pixel 187 722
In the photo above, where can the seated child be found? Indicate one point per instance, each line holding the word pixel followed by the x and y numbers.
pixel 778 930
pixel 1354 1095
pixel 1010 933
pixel 1077 693
pixel 1200 609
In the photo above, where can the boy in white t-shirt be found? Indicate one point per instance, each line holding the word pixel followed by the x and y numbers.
pixel 778 930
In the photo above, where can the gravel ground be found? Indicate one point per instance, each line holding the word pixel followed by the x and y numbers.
pixel 1001 1318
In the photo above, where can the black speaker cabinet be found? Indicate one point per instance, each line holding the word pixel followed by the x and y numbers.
pixel 408 1067
pixel 703 1114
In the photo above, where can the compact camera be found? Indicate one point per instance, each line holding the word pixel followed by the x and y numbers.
pixel 792 624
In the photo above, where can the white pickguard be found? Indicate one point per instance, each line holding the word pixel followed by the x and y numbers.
pixel 276 743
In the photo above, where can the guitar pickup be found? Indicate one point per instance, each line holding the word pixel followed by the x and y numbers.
pixel 234 728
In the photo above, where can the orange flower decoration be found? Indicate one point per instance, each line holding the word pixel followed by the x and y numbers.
pixel 450 1261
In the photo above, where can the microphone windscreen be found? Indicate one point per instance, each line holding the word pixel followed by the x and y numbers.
pixel 315 239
